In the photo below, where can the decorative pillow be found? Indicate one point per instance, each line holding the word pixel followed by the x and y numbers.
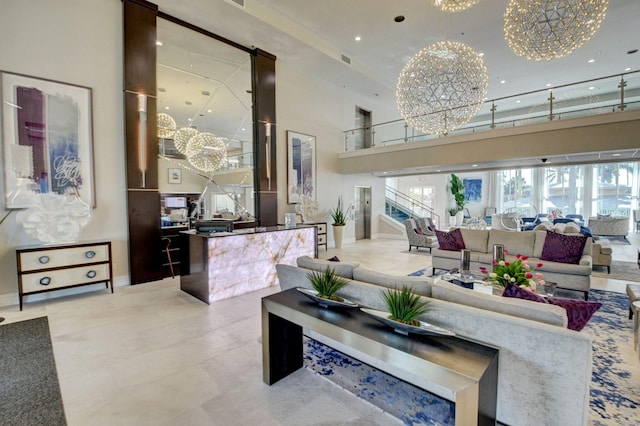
pixel 450 240
pixel 563 248
pixel 334 259
pixel 419 231
pixel 579 312
pixel 522 293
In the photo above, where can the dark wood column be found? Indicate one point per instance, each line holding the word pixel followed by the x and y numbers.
pixel 143 198
pixel 264 111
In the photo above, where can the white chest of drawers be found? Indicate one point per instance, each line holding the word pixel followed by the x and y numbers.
pixel 49 268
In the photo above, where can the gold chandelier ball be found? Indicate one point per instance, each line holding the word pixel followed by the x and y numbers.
pixel 206 152
pixel 442 87
pixel 166 126
pixel 551 29
pixel 182 138
pixel 453 5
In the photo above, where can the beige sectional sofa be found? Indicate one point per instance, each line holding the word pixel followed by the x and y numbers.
pixel 544 369
pixel 527 243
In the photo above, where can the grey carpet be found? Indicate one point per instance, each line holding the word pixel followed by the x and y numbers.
pixel 29 388
pixel 627 271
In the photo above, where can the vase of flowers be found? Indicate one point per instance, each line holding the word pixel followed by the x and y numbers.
pixel 519 272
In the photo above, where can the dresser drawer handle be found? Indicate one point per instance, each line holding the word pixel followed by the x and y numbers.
pixel 43 259
pixel 89 254
pixel 45 280
pixel 91 274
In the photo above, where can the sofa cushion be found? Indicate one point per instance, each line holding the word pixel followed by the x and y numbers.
pixel 450 240
pixel 344 269
pixel 522 293
pixel 476 239
pixel 563 248
pixel 579 312
pixel 514 242
pixel 419 285
pixel 549 314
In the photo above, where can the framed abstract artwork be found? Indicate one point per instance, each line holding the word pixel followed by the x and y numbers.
pixel 301 166
pixel 47 139
pixel 472 190
pixel 175 175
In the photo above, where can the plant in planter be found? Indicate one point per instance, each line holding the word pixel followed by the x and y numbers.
pixel 404 306
pixel 457 188
pixel 327 283
pixel 339 217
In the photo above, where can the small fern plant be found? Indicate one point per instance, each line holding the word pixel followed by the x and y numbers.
pixel 404 306
pixel 327 283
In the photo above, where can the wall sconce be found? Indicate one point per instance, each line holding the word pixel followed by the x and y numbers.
pixel 142 137
pixel 267 131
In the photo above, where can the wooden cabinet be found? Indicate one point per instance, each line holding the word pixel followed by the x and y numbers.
pixel 322 234
pixel 48 268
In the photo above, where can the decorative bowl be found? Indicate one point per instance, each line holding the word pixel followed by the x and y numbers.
pixel 425 328
pixel 326 303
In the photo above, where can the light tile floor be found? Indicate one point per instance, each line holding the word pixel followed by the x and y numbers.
pixel 151 354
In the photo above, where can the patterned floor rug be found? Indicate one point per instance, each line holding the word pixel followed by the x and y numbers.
pixel 626 271
pixel 615 387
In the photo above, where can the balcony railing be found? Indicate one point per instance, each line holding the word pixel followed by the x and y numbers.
pixel 598 96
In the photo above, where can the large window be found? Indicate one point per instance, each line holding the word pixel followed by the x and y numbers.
pixel 615 191
pixel 517 192
pixel 563 189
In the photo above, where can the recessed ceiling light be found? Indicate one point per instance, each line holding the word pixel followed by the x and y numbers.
pixel 243 129
pixel 503 81
pixel 358 38
pixel 591 61
pixel 167 107
pixel 158 43
pixel 617 154
pixel 518 101
pixel 189 119
pixel 474 165
pixel 481 54
pixel 627 69
pixel 399 18
pixel 591 88
pixel 438 170
pixel 548 84
pixel 208 110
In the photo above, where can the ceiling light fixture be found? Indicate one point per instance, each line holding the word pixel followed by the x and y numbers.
pixel 591 61
pixel 551 29
pixel 182 138
pixel 453 5
pixel 166 126
pixel 206 152
pixel 358 38
pixel 442 87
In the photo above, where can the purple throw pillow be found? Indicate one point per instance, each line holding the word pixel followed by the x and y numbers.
pixel 334 259
pixel 450 240
pixel 522 293
pixel 419 231
pixel 579 312
pixel 563 248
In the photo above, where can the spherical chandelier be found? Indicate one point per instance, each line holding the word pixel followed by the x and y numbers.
pixel 182 138
pixel 206 152
pixel 442 87
pixel 166 126
pixel 453 5
pixel 551 29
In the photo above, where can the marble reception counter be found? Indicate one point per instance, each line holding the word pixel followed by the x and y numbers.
pixel 227 264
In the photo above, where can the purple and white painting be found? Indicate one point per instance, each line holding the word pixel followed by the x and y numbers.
pixel 301 170
pixel 47 140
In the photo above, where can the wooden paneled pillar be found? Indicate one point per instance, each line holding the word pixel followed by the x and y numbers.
pixel 143 198
pixel 264 113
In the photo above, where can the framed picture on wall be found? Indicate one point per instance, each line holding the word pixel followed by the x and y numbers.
pixel 47 139
pixel 301 166
pixel 175 175
pixel 472 190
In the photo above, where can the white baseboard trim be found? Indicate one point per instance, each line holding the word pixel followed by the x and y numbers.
pixel 388 237
pixel 12 299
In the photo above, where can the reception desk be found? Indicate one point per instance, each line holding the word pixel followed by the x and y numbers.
pixel 227 264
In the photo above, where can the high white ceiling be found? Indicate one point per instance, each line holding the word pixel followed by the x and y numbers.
pixel 314 36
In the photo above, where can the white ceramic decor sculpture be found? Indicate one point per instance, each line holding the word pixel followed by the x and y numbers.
pixel 308 208
pixel 54 218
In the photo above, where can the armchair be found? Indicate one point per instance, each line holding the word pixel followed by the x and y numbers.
pixel 609 226
pixel 419 237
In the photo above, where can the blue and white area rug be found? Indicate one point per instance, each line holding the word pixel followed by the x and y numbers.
pixel 615 387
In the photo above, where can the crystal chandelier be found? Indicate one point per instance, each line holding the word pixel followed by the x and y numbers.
pixel 182 138
pixel 206 152
pixel 166 126
pixel 551 29
pixel 453 5
pixel 442 87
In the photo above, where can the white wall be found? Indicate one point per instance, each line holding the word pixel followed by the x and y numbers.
pixel 79 42
pixel 311 106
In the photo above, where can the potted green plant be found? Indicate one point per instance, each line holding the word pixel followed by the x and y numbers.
pixel 457 190
pixel 452 216
pixel 339 217
pixel 327 283
pixel 404 306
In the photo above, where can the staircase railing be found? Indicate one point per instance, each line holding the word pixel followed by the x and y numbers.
pixel 413 207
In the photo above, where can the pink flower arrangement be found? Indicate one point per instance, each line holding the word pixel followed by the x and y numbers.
pixel 519 272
